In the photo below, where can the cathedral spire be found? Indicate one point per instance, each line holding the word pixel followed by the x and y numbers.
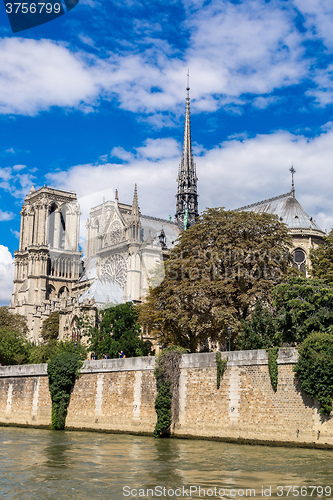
pixel 187 197
pixel 135 215
pixel 293 171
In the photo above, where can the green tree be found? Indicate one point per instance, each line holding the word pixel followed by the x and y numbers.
pixel 314 369
pixel 118 331
pixel 50 327
pixel 215 274
pixel 303 306
pixel 259 331
pixel 43 353
pixel 14 347
pixel 322 259
pixel 13 322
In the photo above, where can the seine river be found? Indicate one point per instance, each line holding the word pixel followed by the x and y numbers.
pixel 42 464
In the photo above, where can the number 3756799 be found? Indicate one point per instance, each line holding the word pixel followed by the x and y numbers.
pixel 32 8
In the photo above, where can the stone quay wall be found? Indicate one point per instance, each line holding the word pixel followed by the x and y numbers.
pixel 118 395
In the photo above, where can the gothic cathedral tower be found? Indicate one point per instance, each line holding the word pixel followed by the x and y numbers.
pixel 187 196
pixel 47 263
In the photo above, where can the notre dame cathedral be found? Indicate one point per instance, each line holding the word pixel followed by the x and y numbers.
pixel 123 247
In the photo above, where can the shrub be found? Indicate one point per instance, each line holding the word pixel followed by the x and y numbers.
pixel 62 371
pixel 314 369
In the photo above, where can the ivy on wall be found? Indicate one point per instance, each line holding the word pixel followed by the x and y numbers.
pixel 314 369
pixel 167 373
pixel 62 371
pixel 221 365
pixel 273 354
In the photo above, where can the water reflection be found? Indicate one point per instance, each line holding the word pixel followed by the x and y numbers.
pixel 40 464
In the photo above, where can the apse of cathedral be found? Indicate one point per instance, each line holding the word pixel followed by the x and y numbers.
pixel 124 248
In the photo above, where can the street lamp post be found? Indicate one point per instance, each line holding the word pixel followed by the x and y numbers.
pixel 229 335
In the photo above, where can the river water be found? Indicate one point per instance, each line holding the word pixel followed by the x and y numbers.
pixel 42 464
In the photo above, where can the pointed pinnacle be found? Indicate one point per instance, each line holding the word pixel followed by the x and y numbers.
pixel 135 205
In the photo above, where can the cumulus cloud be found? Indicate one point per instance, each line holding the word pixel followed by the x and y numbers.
pixel 18 185
pixel 318 19
pixel 36 75
pixel 6 215
pixel 6 275
pixel 237 172
pixel 323 92
pixel 233 49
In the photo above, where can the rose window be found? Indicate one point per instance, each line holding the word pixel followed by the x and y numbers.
pixel 114 269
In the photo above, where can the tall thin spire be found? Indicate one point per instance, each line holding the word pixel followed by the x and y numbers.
pixel 135 215
pixel 187 196
pixel 293 171
pixel 134 222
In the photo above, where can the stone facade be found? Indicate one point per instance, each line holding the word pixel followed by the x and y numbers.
pixel 118 396
pixel 47 263
pixel 123 249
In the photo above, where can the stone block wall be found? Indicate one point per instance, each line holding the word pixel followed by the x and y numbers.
pixel 118 396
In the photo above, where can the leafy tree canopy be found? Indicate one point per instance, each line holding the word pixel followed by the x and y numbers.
pixel 303 306
pixel 259 331
pixel 322 259
pixel 13 322
pixel 50 327
pixel 44 352
pixel 14 348
pixel 119 331
pixel 216 272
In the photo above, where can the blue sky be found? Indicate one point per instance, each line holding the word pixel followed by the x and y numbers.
pixel 95 100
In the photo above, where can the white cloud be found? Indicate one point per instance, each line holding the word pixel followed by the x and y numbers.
pixel 233 49
pixel 121 153
pixel 318 19
pixel 17 168
pixel 36 75
pixel 323 93
pixel 6 275
pixel 236 173
pixel 6 215
pixel 155 149
pixel 18 185
pixel 263 102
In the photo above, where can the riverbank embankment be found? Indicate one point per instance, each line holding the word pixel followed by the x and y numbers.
pixel 118 395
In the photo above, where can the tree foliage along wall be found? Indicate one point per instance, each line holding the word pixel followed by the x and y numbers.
pixel 216 272
pixel 13 322
pixel 14 347
pixel 302 307
pixel 314 369
pixel 42 353
pixel 259 331
pixel 62 371
pixel 119 330
pixel 322 259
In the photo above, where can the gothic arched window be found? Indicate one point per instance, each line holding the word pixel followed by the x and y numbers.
pixel 299 260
